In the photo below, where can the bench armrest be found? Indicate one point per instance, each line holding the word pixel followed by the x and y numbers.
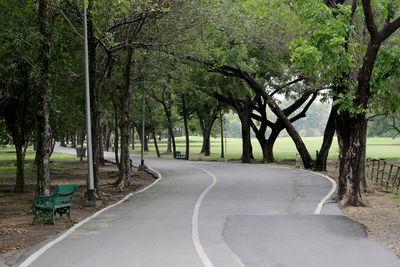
pixel 43 200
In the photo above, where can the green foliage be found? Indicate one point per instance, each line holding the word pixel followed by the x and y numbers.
pixel 322 54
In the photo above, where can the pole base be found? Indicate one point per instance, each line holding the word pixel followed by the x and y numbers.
pixel 91 196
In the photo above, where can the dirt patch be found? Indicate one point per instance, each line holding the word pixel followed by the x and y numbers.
pixel 381 216
pixel 16 213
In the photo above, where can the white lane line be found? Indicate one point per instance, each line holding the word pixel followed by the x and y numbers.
pixel 195 228
pixel 195 223
pixel 42 250
pixel 323 200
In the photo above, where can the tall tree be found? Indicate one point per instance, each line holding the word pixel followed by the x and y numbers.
pixel 42 114
pixel 353 85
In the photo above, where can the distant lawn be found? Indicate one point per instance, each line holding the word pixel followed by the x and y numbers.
pixel 284 148
pixel 8 159
pixel 386 148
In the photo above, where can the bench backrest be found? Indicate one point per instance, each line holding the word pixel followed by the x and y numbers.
pixel 64 193
pixel 177 153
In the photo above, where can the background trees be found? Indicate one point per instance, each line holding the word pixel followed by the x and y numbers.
pixel 268 62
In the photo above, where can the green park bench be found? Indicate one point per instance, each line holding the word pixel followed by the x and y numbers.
pixel 178 155
pixel 60 202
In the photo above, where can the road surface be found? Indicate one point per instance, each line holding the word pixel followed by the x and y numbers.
pixel 218 214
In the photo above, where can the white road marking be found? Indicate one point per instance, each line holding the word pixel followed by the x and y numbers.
pixel 323 200
pixel 195 226
pixel 42 250
pixel 195 223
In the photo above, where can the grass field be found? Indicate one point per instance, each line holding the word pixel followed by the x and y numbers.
pixel 284 148
pixel 386 148
pixel 8 161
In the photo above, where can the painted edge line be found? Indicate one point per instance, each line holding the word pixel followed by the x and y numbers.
pixel 331 192
pixel 195 223
pixel 43 249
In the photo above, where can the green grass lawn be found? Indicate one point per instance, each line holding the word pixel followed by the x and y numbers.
pixel 284 148
pixel 386 148
pixel 8 161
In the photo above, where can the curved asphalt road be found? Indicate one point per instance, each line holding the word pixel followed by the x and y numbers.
pixel 217 214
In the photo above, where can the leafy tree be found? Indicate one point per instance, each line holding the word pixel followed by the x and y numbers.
pixel 332 53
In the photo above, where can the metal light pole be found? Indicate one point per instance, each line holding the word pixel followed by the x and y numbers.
pixel 91 197
pixel 226 159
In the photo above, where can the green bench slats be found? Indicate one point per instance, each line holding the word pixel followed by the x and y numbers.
pixel 179 155
pixel 60 202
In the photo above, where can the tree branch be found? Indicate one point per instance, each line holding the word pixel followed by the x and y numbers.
pixel 369 19
pixel 386 31
pixel 71 25
pixel 288 84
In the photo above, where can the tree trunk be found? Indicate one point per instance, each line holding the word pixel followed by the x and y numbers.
pixel 222 133
pixel 206 141
pixel 20 181
pixel 155 144
pixel 101 148
pixel 322 157
pixel 350 131
pixel 116 142
pixel 170 129
pixel 169 142
pixel 146 143
pixel 81 141
pixel 246 139
pixel 185 123
pixel 207 119
pixel 133 137
pixel 107 136
pixel 42 114
pixel 124 177
pixel 73 141
pixel 94 96
pixel 62 141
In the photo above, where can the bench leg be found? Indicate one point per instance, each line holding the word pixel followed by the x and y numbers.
pixel 52 217
pixel 34 218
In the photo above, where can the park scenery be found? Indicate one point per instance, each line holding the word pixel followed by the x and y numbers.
pixel 90 91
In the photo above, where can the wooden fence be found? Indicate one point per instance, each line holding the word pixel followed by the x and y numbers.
pixel 381 172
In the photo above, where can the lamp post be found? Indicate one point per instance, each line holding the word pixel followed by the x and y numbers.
pixel 90 183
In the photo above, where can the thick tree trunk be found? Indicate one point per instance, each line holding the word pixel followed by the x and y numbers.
pixel 207 119
pixel 107 136
pixel 20 181
pixel 185 124
pixel 206 141
pixel 268 147
pixel 94 96
pixel 247 149
pixel 330 128
pixel 42 115
pixel 124 177
pixel 350 131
